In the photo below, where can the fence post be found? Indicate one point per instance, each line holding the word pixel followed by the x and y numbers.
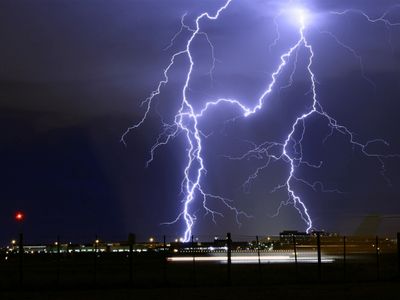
pixel 319 255
pixel 21 258
pixel 229 254
pixel 295 255
pixel 165 260
pixel 398 254
pixel 58 259
pixel 259 260
pixel 131 241
pixel 344 258
pixel 377 256
pixel 194 261
pixel 95 260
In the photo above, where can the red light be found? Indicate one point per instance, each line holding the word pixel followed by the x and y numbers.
pixel 19 216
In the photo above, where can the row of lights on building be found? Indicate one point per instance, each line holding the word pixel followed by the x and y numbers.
pixel 152 240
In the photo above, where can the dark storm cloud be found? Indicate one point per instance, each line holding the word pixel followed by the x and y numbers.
pixel 72 75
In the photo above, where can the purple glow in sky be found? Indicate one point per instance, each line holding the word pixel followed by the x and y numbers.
pixel 270 106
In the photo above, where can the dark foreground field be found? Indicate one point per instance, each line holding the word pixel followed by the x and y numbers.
pixel 152 270
pixel 151 276
pixel 324 291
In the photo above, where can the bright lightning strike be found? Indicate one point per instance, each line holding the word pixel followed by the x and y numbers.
pixel 301 16
pixel 187 120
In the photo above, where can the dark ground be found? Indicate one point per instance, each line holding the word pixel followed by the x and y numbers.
pixel 382 290
pixel 106 276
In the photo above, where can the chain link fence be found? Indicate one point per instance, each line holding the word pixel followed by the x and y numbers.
pixel 204 261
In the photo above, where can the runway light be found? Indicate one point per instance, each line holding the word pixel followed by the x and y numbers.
pixel 19 216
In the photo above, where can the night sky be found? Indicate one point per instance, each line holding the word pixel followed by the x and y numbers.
pixel 73 75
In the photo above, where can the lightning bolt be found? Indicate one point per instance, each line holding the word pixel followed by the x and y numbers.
pixel 381 19
pixel 289 150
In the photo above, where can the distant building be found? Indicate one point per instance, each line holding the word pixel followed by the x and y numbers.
pixel 286 237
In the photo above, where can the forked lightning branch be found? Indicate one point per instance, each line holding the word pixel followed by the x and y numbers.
pixel 187 119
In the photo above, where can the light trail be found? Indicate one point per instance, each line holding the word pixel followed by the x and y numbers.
pixel 252 259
